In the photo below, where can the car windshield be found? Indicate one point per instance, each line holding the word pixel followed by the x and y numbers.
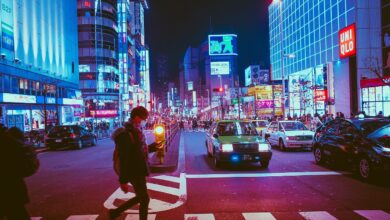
pixel 369 127
pixel 382 136
pixel 61 130
pixel 236 128
pixel 259 123
pixel 293 126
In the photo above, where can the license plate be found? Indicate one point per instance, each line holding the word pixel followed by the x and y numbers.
pixel 58 140
pixel 246 157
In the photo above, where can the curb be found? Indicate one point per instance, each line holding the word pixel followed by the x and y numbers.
pixel 41 150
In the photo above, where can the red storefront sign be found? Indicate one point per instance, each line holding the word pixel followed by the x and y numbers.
pixel 347 41
pixel 365 83
pixel 320 95
pixel 103 113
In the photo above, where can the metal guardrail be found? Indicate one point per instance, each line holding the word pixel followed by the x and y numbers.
pixel 170 132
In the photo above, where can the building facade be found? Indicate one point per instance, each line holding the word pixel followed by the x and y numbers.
pixel 98 58
pixel 325 49
pixel 39 74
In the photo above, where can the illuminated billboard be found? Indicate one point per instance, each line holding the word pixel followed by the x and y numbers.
pixel 220 68
pixel 223 44
pixel 347 41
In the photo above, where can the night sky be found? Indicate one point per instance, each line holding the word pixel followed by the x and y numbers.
pixel 173 25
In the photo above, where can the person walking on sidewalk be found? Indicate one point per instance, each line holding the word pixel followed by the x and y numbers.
pixel 133 162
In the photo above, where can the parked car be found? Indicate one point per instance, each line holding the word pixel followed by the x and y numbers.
pixel 289 134
pixel 260 125
pixel 363 144
pixel 236 141
pixel 69 136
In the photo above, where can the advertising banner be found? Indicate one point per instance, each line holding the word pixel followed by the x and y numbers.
pixel 220 68
pixel 225 44
pixel 7 28
pixel 347 41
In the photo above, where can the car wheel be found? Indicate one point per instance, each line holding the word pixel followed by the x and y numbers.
pixel 264 163
pixel 79 144
pixel 319 155
pixel 365 169
pixel 282 147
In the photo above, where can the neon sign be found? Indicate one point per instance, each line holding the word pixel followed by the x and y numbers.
pixel 225 44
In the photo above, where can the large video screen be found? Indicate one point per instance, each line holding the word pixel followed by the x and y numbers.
pixel 220 68
pixel 225 44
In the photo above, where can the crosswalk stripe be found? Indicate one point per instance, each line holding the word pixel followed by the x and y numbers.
pixel 136 217
pixel 373 214
pixel 164 189
pixel 168 178
pixel 258 215
pixel 82 217
pixel 320 215
pixel 199 217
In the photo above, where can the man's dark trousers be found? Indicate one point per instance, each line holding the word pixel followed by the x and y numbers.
pixel 141 197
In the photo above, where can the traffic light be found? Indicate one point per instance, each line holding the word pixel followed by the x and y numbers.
pixel 220 89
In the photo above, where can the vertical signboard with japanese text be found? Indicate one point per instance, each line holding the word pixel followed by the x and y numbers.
pixel 7 28
pixel 347 41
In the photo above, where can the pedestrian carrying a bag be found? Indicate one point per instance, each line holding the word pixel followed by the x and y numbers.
pixel 17 161
pixel 130 161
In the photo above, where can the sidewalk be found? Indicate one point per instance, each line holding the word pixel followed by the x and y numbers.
pixel 170 160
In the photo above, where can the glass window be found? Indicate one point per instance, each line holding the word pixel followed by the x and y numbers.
pixel 331 128
pixel 365 94
pixel 1 82
pixel 14 85
pixel 7 83
pixel 386 93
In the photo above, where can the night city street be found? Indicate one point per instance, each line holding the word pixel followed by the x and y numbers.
pixel 194 110
pixel 76 184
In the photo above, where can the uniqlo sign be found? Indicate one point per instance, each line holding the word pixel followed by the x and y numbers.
pixel 347 41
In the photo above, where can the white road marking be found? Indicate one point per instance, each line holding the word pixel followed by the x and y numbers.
pixel 164 189
pixel 199 217
pixel 155 205
pixel 246 175
pixel 136 217
pixel 373 214
pixel 168 178
pixel 319 215
pixel 82 217
pixel 258 215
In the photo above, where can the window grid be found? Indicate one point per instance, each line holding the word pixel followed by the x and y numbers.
pixel 310 32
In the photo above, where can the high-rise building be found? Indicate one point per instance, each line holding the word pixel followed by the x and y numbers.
pixel 141 86
pixel 326 50
pixel 208 74
pixel 98 58
pixel 39 64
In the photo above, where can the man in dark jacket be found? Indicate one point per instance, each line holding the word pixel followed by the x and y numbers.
pixel 13 190
pixel 133 160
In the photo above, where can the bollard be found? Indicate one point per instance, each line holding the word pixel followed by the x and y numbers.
pixel 160 135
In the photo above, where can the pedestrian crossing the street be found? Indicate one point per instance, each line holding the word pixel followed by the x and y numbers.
pixel 313 215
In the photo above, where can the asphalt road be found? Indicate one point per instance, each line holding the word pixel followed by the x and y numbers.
pixel 80 184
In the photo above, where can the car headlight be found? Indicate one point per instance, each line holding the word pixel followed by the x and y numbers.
pixel 227 147
pixel 385 151
pixel 291 138
pixel 264 147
